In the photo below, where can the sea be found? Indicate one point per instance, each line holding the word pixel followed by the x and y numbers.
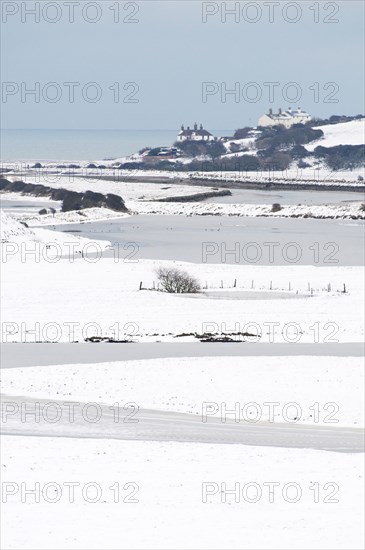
pixel 73 145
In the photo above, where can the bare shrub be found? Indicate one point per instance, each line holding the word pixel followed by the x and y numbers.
pixel 276 207
pixel 176 281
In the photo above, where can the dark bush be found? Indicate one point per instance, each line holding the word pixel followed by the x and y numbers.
pixel 242 133
pixel 115 202
pixel 279 137
pixel 41 191
pixel 276 207
pixel 342 156
pixel 130 166
pixel 302 164
pixel 72 201
pixel 58 194
pixel 4 183
pixel 277 161
pixel 91 199
pixel 15 186
pixel 299 152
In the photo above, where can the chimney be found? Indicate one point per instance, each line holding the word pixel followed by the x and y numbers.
pixel 299 109
pixel 289 109
pixel 280 111
pixel 201 127
pixel 195 126
pixel 270 111
pixel 188 128
pixel 182 127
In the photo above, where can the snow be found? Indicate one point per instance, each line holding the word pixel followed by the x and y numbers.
pixel 86 215
pixel 344 133
pixel 12 231
pixel 329 211
pixel 92 179
pixel 105 292
pixel 170 513
pixel 129 190
pixel 185 384
pixel 74 295
pixel 335 211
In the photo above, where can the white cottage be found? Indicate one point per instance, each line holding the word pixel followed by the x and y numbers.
pixel 195 134
pixel 285 118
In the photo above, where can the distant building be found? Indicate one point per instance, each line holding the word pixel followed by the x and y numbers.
pixel 195 134
pixel 285 118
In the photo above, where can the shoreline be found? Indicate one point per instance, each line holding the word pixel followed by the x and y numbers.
pixel 210 182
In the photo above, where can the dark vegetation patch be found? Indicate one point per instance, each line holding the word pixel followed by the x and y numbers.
pixel 71 200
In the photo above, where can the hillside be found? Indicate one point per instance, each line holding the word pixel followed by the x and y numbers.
pixel 346 133
pixel 12 230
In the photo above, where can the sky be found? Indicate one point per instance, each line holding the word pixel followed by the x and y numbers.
pixel 157 64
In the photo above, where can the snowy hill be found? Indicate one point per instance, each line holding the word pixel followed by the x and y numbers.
pixel 59 244
pixel 12 230
pixel 344 133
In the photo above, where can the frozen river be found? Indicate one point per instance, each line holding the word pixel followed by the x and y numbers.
pixel 221 239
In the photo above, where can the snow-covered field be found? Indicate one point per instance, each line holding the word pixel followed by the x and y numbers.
pixel 102 297
pixel 168 482
pixel 187 385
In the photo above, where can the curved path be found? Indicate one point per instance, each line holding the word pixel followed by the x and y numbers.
pixel 153 425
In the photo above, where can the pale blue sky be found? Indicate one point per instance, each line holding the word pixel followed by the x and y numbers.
pixel 170 52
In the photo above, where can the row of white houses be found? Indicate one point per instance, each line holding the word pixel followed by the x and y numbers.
pixel 285 118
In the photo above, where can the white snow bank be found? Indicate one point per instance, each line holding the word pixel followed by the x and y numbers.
pixel 344 133
pixel 11 229
pixel 15 237
pixel 185 384
pixel 329 211
pixel 74 216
